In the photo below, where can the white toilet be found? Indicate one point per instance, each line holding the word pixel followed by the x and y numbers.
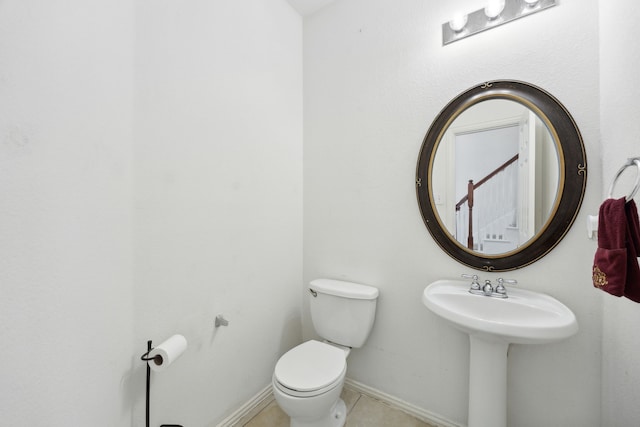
pixel 308 379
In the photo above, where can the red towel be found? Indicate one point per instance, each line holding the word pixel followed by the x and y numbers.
pixel 632 284
pixel 610 261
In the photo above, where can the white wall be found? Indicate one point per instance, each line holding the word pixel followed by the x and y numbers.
pixel 620 130
pixel 66 305
pixel 207 202
pixel 375 76
pixel 218 187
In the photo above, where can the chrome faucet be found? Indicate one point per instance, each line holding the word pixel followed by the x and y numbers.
pixel 500 291
pixel 475 286
pixel 487 289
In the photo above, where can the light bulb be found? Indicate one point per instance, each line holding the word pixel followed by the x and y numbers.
pixel 494 8
pixel 458 22
pixel 531 3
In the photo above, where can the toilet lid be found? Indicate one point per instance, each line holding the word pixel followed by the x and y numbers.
pixel 310 366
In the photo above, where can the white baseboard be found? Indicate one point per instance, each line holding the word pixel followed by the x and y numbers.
pixel 249 409
pixel 415 411
pixel 265 396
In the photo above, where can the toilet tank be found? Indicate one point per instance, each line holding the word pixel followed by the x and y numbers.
pixel 342 312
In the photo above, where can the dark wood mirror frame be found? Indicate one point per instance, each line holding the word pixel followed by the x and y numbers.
pixel 571 159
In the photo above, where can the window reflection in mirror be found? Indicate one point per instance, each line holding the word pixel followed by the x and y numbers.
pixel 495 177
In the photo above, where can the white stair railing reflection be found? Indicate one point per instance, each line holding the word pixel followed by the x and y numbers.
pixel 486 218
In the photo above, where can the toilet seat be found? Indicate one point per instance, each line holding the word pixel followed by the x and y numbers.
pixel 310 369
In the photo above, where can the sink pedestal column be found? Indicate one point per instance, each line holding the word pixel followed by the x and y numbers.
pixel 487 382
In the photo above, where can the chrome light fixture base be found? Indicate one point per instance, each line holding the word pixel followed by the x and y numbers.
pixel 479 21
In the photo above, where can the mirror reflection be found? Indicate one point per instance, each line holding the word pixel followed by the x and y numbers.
pixel 501 175
pixel 495 177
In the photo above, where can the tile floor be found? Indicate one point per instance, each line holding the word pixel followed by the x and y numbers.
pixel 362 411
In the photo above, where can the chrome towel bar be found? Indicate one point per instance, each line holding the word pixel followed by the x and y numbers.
pixel 592 220
pixel 630 162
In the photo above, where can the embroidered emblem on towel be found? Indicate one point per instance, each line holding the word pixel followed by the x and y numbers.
pixel 599 277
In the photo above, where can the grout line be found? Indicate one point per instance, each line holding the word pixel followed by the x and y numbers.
pixel 393 402
pixel 259 403
pixel 354 403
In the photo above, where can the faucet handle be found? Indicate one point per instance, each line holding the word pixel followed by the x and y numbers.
pixel 475 286
pixel 502 281
pixel 473 277
pixel 500 289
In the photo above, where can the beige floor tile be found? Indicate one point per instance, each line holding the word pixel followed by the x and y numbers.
pixel 363 411
pixel 350 398
pixel 271 416
pixel 254 412
pixel 369 412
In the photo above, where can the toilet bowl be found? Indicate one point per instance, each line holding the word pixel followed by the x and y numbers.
pixel 308 379
pixel 307 383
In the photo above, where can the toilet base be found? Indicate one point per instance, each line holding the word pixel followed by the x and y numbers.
pixel 335 418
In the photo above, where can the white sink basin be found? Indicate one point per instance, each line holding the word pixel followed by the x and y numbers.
pixel 525 317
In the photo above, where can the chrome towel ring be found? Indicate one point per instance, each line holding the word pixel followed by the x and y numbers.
pixel 630 162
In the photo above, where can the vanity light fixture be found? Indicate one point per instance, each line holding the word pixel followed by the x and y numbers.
pixel 458 22
pixel 494 8
pixel 497 12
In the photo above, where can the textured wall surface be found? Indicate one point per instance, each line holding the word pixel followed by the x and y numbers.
pixel 375 76
pixel 165 135
pixel 620 130
pixel 218 197
pixel 66 301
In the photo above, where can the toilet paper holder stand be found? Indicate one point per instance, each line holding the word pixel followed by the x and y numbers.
pixel 145 357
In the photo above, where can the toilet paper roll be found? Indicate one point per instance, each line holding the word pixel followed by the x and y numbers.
pixel 166 353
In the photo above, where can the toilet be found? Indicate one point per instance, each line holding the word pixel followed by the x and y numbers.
pixel 308 379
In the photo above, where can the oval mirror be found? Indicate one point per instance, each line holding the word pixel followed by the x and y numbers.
pixel 501 175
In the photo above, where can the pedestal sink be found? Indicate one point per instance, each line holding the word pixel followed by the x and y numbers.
pixel 525 317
